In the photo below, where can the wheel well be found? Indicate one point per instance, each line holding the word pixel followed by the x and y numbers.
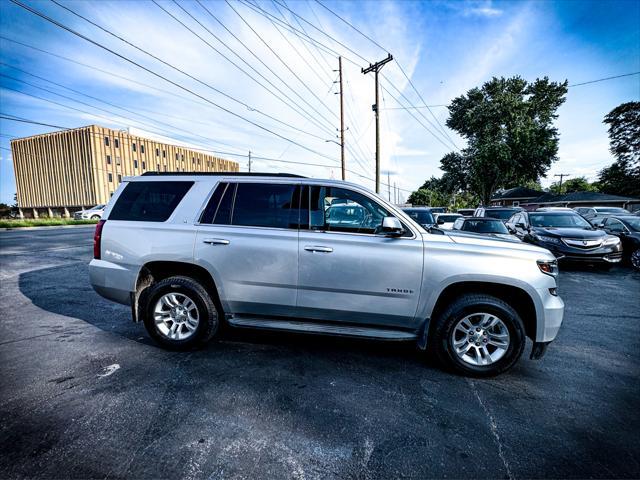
pixel 153 272
pixel 514 296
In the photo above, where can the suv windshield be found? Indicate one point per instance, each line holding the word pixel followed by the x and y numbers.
pixel 484 226
pixel 448 218
pixel 423 217
pixel 558 220
pixel 501 214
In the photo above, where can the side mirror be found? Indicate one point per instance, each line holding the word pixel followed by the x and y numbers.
pixel 440 221
pixel 392 227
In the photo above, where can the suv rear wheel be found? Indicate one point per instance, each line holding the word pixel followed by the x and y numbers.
pixel 479 335
pixel 179 313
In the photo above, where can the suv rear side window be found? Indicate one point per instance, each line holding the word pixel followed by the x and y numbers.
pixel 254 205
pixel 265 205
pixel 149 201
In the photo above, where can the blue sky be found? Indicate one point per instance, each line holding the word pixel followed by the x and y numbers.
pixel 445 48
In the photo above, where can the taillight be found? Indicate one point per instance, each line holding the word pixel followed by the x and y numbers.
pixel 97 237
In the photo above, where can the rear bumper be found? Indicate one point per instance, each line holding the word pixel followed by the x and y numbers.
pixel 112 281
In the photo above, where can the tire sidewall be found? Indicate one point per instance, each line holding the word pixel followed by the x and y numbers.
pixel 207 314
pixel 635 253
pixel 505 313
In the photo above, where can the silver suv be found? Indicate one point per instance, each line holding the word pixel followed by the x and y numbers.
pixel 281 252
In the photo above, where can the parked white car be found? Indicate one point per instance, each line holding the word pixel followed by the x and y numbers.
pixel 445 220
pixel 93 213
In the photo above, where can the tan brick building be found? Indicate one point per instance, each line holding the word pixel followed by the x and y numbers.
pixel 59 172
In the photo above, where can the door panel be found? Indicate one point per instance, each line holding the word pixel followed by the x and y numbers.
pixel 349 273
pixel 256 271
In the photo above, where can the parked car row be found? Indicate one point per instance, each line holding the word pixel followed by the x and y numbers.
pixel 93 213
pixel 561 230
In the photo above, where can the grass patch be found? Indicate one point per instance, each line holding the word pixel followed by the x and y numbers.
pixel 43 222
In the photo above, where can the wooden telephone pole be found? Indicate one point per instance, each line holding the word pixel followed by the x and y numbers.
pixel 561 175
pixel 344 167
pixel 376 68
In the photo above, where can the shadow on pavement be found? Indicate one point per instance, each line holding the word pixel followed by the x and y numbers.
pixel 67 291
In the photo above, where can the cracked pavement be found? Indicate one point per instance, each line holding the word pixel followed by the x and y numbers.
pixel 86 394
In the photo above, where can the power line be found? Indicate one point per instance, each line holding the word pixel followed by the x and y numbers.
pixel 304 113
pixel 286 65
pixel 230 112
pixel 604 79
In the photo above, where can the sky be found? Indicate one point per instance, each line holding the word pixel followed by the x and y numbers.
pixel 256 75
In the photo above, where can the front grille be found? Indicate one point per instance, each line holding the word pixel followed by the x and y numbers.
pixel 582 243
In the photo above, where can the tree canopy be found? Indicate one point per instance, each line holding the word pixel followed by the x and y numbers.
pixel 508 125
pixel 577 184
pixel 623 176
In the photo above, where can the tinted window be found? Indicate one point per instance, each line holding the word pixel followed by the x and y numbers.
pixel 448 218
pixel 613 210
pixel 484 226
pixel 423 217
pixel 501 214
pixel 217 212
pixel 265 205
pixel 149 201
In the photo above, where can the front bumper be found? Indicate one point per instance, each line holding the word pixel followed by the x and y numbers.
pixel 605 254
pixel 552 314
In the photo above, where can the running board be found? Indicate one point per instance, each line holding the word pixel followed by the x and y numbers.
pixel 321 328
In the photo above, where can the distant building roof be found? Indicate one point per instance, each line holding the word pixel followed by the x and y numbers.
pixel 517 192
pixel 577 197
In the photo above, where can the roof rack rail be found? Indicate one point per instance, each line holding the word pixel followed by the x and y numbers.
pixel 218 174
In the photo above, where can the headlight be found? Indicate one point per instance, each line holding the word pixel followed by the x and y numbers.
pixel 550 267
pixel 612 241
pixel 544 238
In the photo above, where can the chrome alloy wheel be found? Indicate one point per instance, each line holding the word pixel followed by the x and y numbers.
pixel 176 316
pixel 480 339
pixel 635 259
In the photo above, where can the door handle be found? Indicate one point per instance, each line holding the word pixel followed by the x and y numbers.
pixel 311 248
pixel 216 241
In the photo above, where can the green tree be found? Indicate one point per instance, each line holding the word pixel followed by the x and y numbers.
pixel 508 125
pixel 578 184
pixel 623 176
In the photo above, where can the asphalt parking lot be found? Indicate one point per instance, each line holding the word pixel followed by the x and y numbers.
pixel 86 394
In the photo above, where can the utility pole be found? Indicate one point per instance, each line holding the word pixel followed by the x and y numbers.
pixel 395 193
pixel 344 167
pixel 389 185
pixel 561 175
pixel 376 68
pixel 249 161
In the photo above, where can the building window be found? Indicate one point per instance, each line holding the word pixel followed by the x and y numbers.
pixel 164 154
pixel 143 165
pixel 106 141
pixel 117 160
pixel 135 164
pixel 116 143
pixel 110 177
pixel 119 178
pixel 142 148
pixel 108 159
pixel 183 157
pixel 157 152
pixel 193 160
pixel 177 156
pixel 198 161
pixel 111 194
pixel 157 167
pixel 165 168
pixel 133 146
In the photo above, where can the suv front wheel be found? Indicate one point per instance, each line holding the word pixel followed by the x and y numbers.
pixel 479 335
pixel 179 313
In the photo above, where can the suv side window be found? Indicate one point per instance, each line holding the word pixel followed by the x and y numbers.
pixel 218 209
pixel 614 225
pixel 149 201
pixel 265 205
pixel 336 209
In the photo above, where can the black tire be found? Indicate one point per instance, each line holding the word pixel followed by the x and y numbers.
pixel 441 342
pixel 208 315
